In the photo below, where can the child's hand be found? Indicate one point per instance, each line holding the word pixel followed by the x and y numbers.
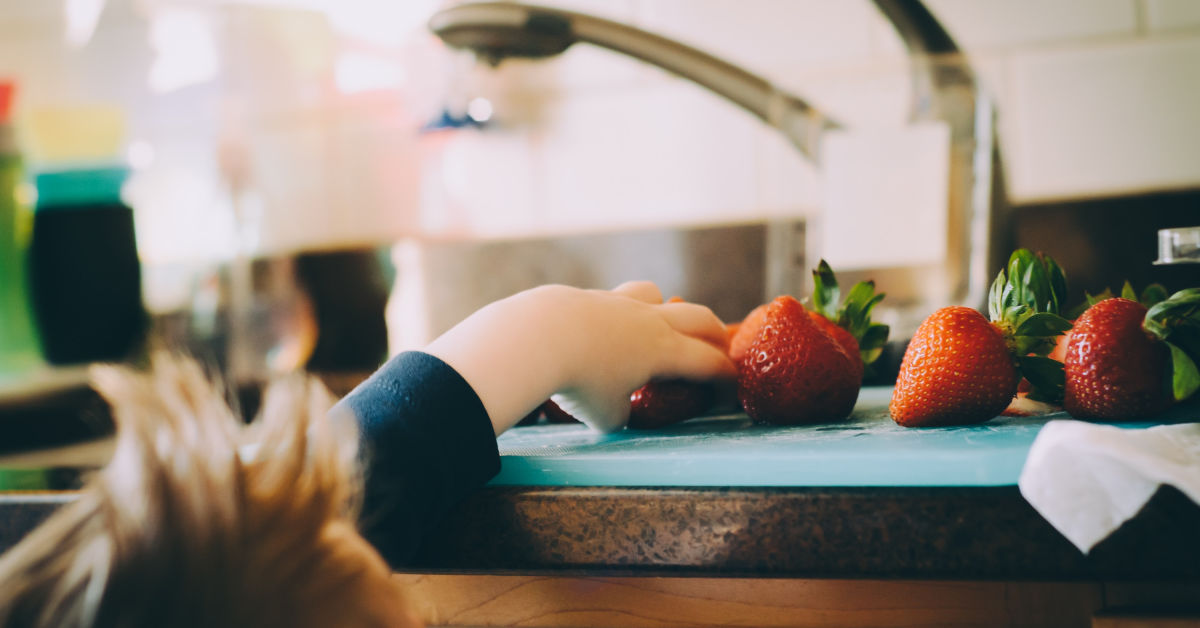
pixel 590 348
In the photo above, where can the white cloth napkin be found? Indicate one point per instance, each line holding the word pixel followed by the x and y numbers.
pixel 1088 479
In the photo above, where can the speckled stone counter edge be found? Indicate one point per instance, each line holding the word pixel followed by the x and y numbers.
pixel 975 533
pixel 934 533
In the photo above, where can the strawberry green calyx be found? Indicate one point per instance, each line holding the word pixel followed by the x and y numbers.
pixel 853 314
pixel 826 293
pixel 1152 295
pixel 1176 322
pixel 1024 304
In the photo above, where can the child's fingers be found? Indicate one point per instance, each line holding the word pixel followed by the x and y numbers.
pixel 644 291
pixel 697 321
pixel 693 358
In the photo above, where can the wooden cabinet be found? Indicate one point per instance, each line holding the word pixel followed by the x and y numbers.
pixel 578 601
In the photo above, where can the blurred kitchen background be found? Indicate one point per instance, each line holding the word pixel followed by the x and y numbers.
pixel 318 183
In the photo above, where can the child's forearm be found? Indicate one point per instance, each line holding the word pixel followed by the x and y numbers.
pixel 425 436
pixel 500 353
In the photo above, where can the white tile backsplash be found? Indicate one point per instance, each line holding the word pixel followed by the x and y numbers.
pixel 1106 120
pixel 757 33
pixel 670 153
pixel 478 183
pixel 886 200
pixel 873 94
pixel 1090 101
pixel 787 183
pixel 1094 97
pixel 985 24
pixel 585 68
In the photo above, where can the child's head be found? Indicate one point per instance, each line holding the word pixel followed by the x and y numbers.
pixel 200 520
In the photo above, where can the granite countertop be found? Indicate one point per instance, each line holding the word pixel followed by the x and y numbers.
pixel 842 532
pixel 861 499
pixel 847 532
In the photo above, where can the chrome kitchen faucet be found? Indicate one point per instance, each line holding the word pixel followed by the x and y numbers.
pixel 942 91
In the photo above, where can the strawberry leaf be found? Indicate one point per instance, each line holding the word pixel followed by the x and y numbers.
pixel 853 313
pixel 1153 295
pixel 995 297
pixel 869 357
pixel 1016 313
pixel 1046 378
pixel 1008 298
pixel 826 294
pixel 861 292
pixel 1156 328
pixel 1186 336
pixel 1185 378
pixel 874 338
pixel 1058 284
pixel 1029 283
pixel 1026 293
pixel 1182 308
pixel 1024 345
pixel 1037 286
pixel 1043 324
pixel 1127 292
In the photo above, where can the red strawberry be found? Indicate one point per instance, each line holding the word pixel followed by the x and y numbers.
pixel 747 331
pixel 841 336
pixel 956 370
pixel 1058 354
pixel 662 403
pixel 1127 361
pixel 550 411
pixel 795 372
pixel 961 368
pixel 1060 347
pixel 1151 296
pixel 555 414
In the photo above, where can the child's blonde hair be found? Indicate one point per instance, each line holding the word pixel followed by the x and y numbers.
pixel 200 520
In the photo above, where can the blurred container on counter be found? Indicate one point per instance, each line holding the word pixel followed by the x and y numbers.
pixel 84 272
pixel 19 349
pixel 1179 245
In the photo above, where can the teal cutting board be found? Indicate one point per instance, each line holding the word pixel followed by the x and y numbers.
pixel 867 450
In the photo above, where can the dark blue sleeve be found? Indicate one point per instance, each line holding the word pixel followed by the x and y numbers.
pixel 427 441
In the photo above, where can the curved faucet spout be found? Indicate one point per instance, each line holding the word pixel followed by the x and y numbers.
pixel 945 91
pixel 500 30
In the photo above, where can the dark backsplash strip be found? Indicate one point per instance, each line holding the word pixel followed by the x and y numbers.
pixel 1104 242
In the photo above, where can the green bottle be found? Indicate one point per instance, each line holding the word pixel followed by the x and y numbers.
pixel 20 349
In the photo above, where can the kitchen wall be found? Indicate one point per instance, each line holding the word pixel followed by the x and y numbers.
pixel 1096 98
pixel 285 125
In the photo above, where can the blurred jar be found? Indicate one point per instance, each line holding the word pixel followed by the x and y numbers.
pixel 84 270
pixel 19 349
